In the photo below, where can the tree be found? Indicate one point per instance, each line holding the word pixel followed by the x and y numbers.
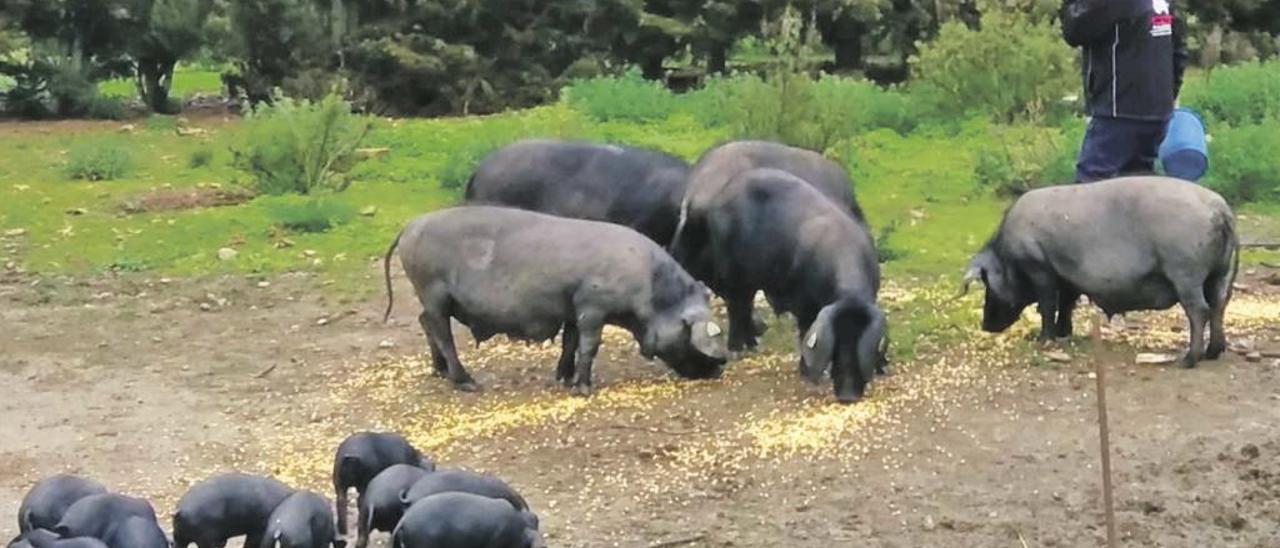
pixel 273 40
pixel 170 31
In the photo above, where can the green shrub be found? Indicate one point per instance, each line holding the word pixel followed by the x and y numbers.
pixel 1238 95
pixel 99 160
pixel 200 157
pixel 161 123
pixel 307 214
pixel 1016 159
pixel 628 97
pixel 1010 69
pixel 1239 169
pixel 461 163
pixel 300 146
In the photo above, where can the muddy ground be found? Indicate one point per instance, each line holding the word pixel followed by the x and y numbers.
pixel 151 384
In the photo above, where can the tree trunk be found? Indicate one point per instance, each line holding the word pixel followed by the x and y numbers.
pixel 651 67
pixel 155 79
pixel 717 59
pixel 848 53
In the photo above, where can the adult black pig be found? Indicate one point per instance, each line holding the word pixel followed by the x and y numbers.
pixel 718 166
pixel 44 504
pixel 304 520
pixel 464 520
pixel 364 455
pixel 118 521
pixel 1135 243
pixel 226 506
pixel 629 186
pixel 527 275
pixel 380 506
pixel 771 231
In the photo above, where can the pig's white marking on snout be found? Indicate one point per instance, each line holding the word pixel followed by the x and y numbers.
pixel 813 340
pixel 478 253
pixel 712 329
pixel 614 149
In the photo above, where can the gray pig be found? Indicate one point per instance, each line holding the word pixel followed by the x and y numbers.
pixel 226 506
pixel 527 275
pixel 1137 243
pixel 463 520
pixel 380 506
pixel 304 520
pixel 44 504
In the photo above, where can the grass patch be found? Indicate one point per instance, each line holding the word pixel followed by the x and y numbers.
pixel 101 159
pixel 187 82
pixel 308 215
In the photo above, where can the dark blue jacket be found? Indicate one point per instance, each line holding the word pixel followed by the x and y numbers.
pixel 1134 55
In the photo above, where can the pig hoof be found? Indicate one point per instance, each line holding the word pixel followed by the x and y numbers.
pixel 466 386
pixel 1188 362
pixel 1215 351
pixel 582 390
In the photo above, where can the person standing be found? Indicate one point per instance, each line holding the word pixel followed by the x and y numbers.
pixel 1134 59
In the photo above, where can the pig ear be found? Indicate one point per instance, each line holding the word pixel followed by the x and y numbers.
pixel 818 345
pixel 707 339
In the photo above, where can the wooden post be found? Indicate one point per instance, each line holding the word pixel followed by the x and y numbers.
pixel 1104 433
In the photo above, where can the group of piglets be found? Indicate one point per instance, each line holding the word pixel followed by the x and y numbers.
pixel 399 491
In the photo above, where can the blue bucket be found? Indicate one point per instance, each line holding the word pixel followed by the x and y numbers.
pixel 1185 151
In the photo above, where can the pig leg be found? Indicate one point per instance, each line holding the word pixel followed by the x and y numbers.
pixel 1046 290
pixel 439 366
pixel 590 324
pixel 436 322
pixel 1217 294
pixel 362 526
pixel 1066 306
pixel 742 334
pixel 340 504
pixel 802 326
pixel 1197 309
pixel 568 349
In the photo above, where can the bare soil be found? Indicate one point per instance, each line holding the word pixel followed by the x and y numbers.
pixel 149 385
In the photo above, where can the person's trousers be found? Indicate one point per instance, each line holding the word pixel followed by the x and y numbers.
pixel 1115 147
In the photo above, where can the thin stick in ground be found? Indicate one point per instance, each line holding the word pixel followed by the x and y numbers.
pixel 1104 433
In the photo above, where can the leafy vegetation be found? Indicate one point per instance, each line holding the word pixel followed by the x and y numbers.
pixel 1240 170
pixel 101 159
pixel 301 147
pixel 1244 94
pixel 307 214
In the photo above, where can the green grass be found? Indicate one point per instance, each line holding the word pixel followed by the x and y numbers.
pixel 922 185
pixel 186 83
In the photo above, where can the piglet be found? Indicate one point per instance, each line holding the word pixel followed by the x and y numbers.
pixel 118 521
pixel 364 455
pixel 464 520
pixel 226 506
pixel 48 500
pixel 304 520
pixel 380 506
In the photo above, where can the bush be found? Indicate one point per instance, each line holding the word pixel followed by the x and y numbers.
pixel 1238 95
pixel 1016 159
pixel 462 162
pixel 628 97
pixel 1010 69
pixel 1239 169
pixel 301 146
pixel 308 214
pixel 200 157
pixel 100 160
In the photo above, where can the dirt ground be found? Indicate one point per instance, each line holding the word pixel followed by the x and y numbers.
pixel 149 385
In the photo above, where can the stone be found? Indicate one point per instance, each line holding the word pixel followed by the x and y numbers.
pixel 1154 359
pixel 386 344
pixel 369 211
pixel 1057 356
pixel 15 232
pixel 1253 357
pixel 226 254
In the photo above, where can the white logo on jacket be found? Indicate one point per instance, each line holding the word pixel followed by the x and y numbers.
pixel 1162 20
